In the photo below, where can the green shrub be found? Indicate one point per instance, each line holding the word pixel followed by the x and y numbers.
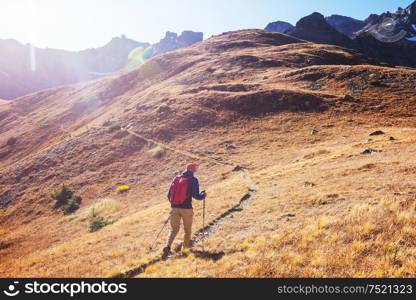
pixel 77 199
pixel 62 195
pixel 97 222
pixel 71 207
pixel 66 199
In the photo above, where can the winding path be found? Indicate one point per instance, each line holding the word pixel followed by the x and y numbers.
pixel 207 231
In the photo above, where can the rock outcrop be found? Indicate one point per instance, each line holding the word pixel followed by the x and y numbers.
pixel 345 25
pixel 315 28
pixel 279 26
pixel 387 38
pixel 173 42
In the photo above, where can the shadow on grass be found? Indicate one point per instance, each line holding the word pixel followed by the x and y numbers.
pixel 201 235
pixel 214 256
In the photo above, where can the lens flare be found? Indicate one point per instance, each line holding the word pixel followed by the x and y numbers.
pixel 138 55
pixel 32 58
pixel 389 31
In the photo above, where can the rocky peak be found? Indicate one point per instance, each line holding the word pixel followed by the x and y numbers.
pixel 410 11
pixel 346 25
pixel 315 28
pixel 279 26
pixel 388 37
pixel 395 27
pixel 188 38
pixel 172 41
pixel 315 19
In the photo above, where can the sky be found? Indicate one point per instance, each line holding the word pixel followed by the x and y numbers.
pixel 81 24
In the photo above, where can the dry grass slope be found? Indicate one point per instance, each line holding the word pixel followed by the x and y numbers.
pixel 297 115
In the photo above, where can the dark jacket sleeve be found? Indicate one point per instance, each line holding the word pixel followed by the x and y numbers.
pixel 170 188
pixel 196 194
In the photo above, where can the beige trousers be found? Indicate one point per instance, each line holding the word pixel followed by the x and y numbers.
pixel 175 221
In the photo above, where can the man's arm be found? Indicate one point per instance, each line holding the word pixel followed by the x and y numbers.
pixel 196 194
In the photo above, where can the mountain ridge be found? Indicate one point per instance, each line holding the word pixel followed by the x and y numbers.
pixel 25 69
pixel 279 26
pixel 387 38
pixel 346 25
pixel 315 28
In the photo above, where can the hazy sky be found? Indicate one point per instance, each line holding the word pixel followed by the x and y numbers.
pixel 80 24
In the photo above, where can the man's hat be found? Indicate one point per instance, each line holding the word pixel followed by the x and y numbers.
pixel 191 167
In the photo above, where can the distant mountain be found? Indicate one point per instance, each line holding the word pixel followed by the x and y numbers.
pixel 345 25
pixel 391 27
pixel 279 26
pixel 387 38
pixel 25 69
pixel 315 28
pixel 173 42
pixel 386 27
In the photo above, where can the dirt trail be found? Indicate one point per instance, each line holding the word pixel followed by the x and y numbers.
pixel 207 231
pixel 182 152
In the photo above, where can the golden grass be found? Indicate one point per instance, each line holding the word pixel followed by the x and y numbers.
pixel 120 246
pixel 353 218
pixel 157 152
pixel 343 237
pixel 365 232
pixel 335 250
pixel 385 248
pixel 105 207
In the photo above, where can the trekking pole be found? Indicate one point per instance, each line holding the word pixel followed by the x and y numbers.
pixel 157 237
pixel 203 226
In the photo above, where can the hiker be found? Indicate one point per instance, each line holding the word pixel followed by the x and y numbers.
pixel 183 188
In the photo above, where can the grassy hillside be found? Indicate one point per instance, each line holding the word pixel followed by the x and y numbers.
pixel 296 117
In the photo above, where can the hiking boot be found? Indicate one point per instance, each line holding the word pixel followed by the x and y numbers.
pixel 166 252
pixel 178 247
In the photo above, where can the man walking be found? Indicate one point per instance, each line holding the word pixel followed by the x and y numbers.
pixel 183 188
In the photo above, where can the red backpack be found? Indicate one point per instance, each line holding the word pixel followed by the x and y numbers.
pixel 179 190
